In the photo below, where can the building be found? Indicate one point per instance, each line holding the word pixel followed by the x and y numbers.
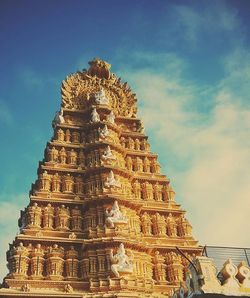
pixel 102 219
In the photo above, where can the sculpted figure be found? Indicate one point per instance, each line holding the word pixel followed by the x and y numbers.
pixel 145 145
pixel 45 181
pixel 121 262
pixel 115 216
pixel 67 136
pixel 157 192
pixel 62 218
pixel 56 183
pixel 79 184
pixel 160 267
pixel 155 166
pixel 111 118
pixel 159 224
pixel 123 142
pixel 183 227
pixel 138 164
pixel 129 163
pixel 54 154
pixel 75 137
pixel 68 183
pixel 103 132
pixel 60 135
pixel 62 155
pixel 146 165
pixel 81 158
pixel 94 116
pixel 100 97
pixel 34 213
pixel 137 144
pixel 58 119
pixel 72 157
pixel 48 217
pixel 83 137
pixel 146 224
pixel 108 156
pixel 111 181
pixel 147 191
pixel 171 226
pixel 131 144
pixel 137 189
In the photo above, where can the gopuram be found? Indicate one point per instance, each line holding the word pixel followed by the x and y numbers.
pixel 102 219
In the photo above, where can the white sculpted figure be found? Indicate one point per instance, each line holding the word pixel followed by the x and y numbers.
pixel 121 262
pixel 111 181
pixel 108 155
pixel 111 117
pixel 115 216
pixel 103 132
pixel 58 119
pixel 95 116
pixel 100 97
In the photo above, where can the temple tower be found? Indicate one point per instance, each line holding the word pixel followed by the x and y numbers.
pixel 102 218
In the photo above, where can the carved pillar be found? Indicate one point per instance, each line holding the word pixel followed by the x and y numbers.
pixel 71 264
pixel 56 183
pixel 37 262
pixel 62 218
pixel 55 262
pixel 44 181
pixel 76 219
pixel 34 216
pixel 159 268
pixel 18 261
pixel 84 266
pixel 174 268
pixel 171 226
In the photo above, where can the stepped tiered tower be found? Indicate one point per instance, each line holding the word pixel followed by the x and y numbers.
pixel 102 220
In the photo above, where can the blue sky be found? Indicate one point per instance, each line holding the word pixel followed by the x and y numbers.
pixel 187 61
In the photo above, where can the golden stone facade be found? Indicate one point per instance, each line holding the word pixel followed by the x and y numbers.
pixel 102 219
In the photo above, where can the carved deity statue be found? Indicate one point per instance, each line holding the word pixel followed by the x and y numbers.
pixel 108 156
pixel 160 268
pixel 48 217
pixel 45 181
pixel 147 191
pixel 53 155
pixel 62 218
pixel 145 145
pixel 101 98
pixel 155 166
pixel 60 135
pixel 146 165
pixel 121 263
pixel 130 144
pixel 34 216
pixel 75 137
pixel 68 183
pixel 138 164
pixel 67 136
pixel 103 132
pixel 159 224
pixel 115 216
pixel 137 144
pixel 111 181
pixel 62 155
pixel 56 183
pixel 111 117
pixel 81 158
pixel 76 219
pixel 137 189
pixel 146 224
pixel 171 226
pixel 157 192
pixel 79 184
pixel 94 116
pixel 72 157
pixel 129 163
pixel 58 119
pixel 184 227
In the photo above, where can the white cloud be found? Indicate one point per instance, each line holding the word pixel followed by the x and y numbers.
pixel 9 214
pixel 206 154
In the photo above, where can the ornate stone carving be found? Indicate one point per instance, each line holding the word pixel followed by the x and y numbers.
pixel 171 226
pixel 37 262
pixel 111 117
pixel 101 98
pixel 56 183
pixel 72 157
pixel 62 218
pixel 103 132
pixel 111 181
pixel 58 119
pixel 44 181
pixel 159 268
pixel 121 263
pixel 60 135
pixel 48 217
pixel 146 224
pixel 55 262
pixel 71 264
pixel 19 261
pixel 94 116
pixel 67 183
pixel 76 219
pixel 108 157
pixel 115 216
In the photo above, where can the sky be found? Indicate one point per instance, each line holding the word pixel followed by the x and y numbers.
pixel 187 61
